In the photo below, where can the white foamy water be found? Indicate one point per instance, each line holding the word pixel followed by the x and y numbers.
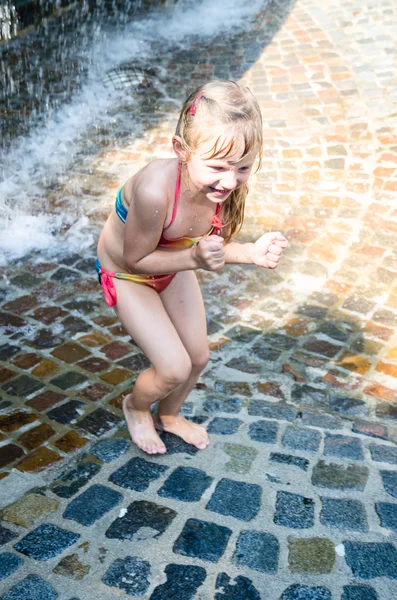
pixel 38 160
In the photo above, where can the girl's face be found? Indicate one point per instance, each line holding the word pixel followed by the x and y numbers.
pixel 217 177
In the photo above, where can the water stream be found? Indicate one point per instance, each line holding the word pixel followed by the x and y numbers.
pixel 65 86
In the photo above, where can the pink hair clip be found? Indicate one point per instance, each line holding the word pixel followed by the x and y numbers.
pixel 196 100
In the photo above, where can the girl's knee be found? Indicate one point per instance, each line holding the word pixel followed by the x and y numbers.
pixel 200 360
pixel 176 374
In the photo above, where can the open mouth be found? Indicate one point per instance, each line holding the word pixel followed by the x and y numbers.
pixel 219 192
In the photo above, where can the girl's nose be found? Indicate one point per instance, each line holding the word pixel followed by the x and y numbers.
pixel 229 180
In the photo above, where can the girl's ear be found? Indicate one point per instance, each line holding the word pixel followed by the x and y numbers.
pixel 179 148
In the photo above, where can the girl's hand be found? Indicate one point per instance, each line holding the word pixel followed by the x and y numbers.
pixel 209 253
pixel 268 249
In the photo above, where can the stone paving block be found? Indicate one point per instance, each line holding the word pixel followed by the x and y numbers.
pixel 221 426
pixel 389 480
pixel 289 459
pixel 203 540
pixel 241 588
pixel 321 420
pixel 70 483
pixel 387 513
pixel 343 446
pixel 70 352
pixel 258 551
pixel 334 476
pixel 9 453
pixel 35 437
pixel 9 563
pixel 176 445
pixel 368 560
pixel 182 583
pixel 311 555
pixel 137 474
pixel 99 422
pixel 376 430
pixel 28 509
pixel 22 386
pixel 110 450
pixel 7 374
pixel 68 380
pixel 92 504
pixel 263 431
pixel 293 510
pixel 386 454
pixel 241 458
pixel 45 400
pixel 347 405
pixel 7 351
pixel 16 420
pixel 6 535
pixel 46 541
pixel 344 514
pixel 229 388
pixel 152 518
pixel 94 392
pixel 304 592
pixel 70 442
pixel 301 438
pixel 259 408
pixel 228 405
pixel 38 460
pixel 307 395
pixel 129 574
pixel 70 566
pixel 186 484
pixel 66 413
pixel 359 592
pixel 242 333
pixel 236 498
pixel 31 588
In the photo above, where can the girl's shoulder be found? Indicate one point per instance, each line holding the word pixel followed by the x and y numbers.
pixel 153 184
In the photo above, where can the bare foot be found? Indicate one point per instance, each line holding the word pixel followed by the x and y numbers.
pixel 141 427
pixel 188 431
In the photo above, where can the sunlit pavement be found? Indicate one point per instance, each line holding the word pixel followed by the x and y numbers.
pixel 296 496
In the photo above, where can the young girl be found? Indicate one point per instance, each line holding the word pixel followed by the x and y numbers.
pixel 175 216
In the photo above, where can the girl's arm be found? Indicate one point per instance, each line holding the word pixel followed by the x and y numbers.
pixel 265 252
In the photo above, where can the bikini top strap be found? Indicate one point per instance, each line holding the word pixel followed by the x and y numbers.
pixel 218 208
pixel 176 198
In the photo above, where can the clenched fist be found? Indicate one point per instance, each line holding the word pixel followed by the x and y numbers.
pixel 209 253
pixel 268 249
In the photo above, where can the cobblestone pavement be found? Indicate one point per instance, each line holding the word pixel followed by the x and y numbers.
pixel 295 499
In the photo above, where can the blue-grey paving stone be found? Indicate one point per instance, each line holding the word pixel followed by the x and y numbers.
pixel 66 413
pixel 186 484
pixel 141 514
pixel 303 592
pixel 92 504
pixel 200 539
pixel 24 385
pixel 343 446
pixel 369 560
pixel 309 396
pixel 381 453
pixel 321 420
pixel 137 474
pixel 387 513
pixel 389 479
pixel 182 583
pixel 289 459
pixel 31 588
pixel 75 479
pixel 236 498
pixel 68 380
pixel 242 589
pixel 242 334
pixel 99 422
pixel 258 551
pixel 175 444
pixel 46 541
pixel 263 431
pixel 259 408
pixel 9 563
pixel 337 477
pixel 301 438
pixel 216 405
pixel 6 535
pixel 224 426
pixel 359 592
pixel 346 405
pixel 344 514
pixel 7 351
pixel 129 574
pixel 198 419
pixel 293 510
pixel 109 450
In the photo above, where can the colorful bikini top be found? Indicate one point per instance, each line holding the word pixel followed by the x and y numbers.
pixel 181 242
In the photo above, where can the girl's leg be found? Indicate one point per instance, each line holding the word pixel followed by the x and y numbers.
pixel 184 304
pixel 143 315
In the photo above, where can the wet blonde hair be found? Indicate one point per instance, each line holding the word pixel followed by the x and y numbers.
pixel 223 103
